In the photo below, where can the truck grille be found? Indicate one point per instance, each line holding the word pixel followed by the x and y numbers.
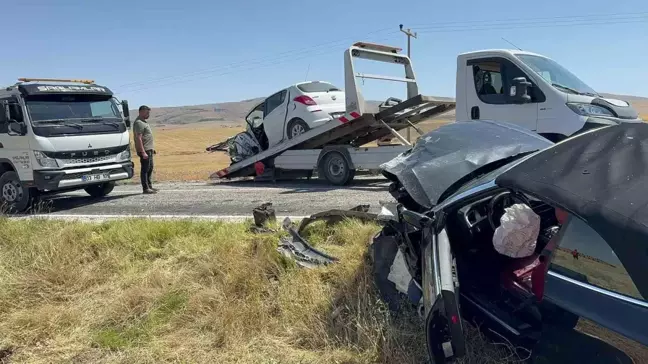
pixel 87 160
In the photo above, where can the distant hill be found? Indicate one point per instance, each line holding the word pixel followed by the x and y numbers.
pixel 233 113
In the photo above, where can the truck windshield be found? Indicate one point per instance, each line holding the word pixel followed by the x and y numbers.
pixel 70 108
pixel 558 76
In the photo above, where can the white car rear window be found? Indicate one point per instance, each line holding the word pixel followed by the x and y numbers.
pixel 317 87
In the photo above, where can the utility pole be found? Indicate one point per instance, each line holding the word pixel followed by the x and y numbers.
pixel 409 35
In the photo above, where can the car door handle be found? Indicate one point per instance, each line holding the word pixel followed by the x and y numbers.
pixel 1 146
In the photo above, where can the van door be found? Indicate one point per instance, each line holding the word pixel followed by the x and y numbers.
pixel 274 117
pixel 443 323
pixel 488 81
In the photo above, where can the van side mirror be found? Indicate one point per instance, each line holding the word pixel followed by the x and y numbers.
pixel 17 128
pixel 519 90
pixel 126 112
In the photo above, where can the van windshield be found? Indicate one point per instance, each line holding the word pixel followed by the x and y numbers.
pixel 72 108
pixel 558 76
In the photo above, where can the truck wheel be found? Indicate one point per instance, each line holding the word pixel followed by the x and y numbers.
pixel 335 169
pixel 14 198
pixel 100 190
pixel 296 127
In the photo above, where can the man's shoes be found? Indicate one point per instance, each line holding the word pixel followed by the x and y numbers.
pixel 153 189
pixel 149 192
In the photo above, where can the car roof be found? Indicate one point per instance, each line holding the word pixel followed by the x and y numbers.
pixel 601 176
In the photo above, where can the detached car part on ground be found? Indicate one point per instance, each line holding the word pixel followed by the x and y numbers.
pixel 590 192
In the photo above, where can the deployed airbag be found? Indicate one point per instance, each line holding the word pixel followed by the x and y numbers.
pixel 517 235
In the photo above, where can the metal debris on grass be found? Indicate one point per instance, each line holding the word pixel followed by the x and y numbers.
pixel 297 248
pixel 263 215
pixel 334 216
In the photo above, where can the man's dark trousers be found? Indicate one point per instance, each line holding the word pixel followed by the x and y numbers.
pixel 147 170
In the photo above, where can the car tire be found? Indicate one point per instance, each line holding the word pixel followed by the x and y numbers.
pixel 100 190
pixel 335 168
pixel 296 127
pixel 14 197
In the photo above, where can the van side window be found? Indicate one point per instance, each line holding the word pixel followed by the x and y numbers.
pixel 494 77
pixel 488 82
pixel 583 255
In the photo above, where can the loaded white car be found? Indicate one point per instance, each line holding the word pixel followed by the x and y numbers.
pixel 297 109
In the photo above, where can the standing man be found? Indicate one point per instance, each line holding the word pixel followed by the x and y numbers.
pixel 145 149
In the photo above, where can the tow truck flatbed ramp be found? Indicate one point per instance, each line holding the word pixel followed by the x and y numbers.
pixel 355 132
pixel 356 127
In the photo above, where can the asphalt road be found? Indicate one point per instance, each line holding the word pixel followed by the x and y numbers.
pixel 221 199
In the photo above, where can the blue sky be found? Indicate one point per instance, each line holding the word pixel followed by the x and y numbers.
pixel 165 53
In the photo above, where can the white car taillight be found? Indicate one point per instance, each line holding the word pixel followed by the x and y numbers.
pixel 303 99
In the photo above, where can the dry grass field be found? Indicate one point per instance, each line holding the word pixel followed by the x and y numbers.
pixel 182 156
pixel 181 151
pixel 138 291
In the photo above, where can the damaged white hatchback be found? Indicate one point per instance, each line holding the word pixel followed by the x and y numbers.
pixel 498 226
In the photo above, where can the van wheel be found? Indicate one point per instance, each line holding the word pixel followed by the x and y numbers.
pixel 296 127
pixel 100 190
pixel 335 169
pixel 14 197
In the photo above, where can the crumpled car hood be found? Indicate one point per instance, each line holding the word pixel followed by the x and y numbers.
pixel 443 156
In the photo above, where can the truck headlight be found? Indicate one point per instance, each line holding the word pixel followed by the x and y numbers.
pixel 125 155
pixel 44 160
pixel 589 109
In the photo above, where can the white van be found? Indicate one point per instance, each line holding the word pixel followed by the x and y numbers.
pixel 532 91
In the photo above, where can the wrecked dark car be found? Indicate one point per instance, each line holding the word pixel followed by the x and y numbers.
pixel 584 266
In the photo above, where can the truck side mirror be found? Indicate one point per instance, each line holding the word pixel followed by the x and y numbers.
pixel 519 90
pixel 15 112
pixel 126 112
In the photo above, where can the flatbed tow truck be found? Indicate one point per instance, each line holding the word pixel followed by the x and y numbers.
pixel 335 150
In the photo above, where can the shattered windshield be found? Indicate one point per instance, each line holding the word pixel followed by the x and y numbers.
pixel 72 109
pixel 558 76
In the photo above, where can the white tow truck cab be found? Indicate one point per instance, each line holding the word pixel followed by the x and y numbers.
pixel 532 91
pixel 60 135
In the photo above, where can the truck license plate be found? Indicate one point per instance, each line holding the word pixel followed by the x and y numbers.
pixel 95 177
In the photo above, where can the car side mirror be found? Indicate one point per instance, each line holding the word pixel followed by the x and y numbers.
pixel 17 128
pixel 519 90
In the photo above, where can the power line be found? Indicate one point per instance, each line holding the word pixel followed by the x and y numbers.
pixel 304 56
pixel 282 54
pixel 435 29
pixel 527 20
pixel 531 26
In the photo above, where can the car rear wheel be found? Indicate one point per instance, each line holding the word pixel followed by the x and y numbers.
pixel 14 197
pixel 297 127
pixel 100 190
